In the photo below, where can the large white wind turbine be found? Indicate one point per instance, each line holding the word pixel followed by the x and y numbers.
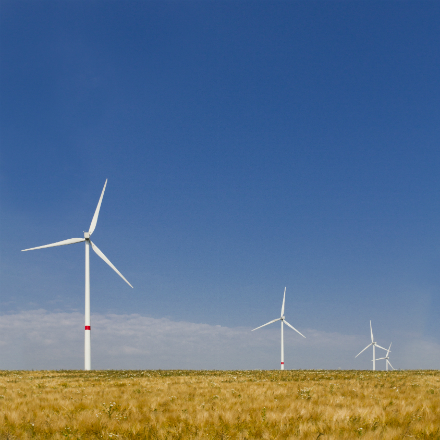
pixel 283 321
pixel 86 239
pixel 374 344
pixel 387 357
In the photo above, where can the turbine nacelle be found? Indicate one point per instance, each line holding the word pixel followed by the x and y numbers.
pixel 86 235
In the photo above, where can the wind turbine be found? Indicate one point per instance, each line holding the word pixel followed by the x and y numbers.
pixel 88 242
pixel 374 344
pixel 283 321
pixel 387 358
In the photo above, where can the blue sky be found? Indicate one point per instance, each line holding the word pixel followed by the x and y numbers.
pixel 248 146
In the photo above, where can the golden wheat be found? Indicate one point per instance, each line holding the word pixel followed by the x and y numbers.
pixel 219 405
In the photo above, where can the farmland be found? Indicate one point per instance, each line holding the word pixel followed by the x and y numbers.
pixel 300 404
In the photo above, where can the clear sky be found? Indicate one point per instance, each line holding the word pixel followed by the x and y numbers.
pixel 248 146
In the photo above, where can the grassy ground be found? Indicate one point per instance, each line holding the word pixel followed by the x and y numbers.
pixel 219 405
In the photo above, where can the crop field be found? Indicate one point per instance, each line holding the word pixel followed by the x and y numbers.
pixel 299 404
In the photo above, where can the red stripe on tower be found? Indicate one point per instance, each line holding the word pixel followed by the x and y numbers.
pixel 87 327
pixel 282 363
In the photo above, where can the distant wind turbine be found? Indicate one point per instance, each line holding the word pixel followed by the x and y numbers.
pixel 86 239
pixel 374 344
pixel 283 321
pixel 387 357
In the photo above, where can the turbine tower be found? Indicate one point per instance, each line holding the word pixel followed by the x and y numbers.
pixel 374 344
pixel 387 358
pixel 283 321
pixel 88 242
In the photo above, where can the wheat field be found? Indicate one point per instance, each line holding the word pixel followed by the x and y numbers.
pixel 300 404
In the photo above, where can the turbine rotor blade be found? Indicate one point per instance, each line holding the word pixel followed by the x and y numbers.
pixel 58 243
pixel 371 329
pixel 379 359
pixel 389 349
pixel 285 322
pixel 100 254
pixel 389 363
pixel 275 320
pixel 284 299
pixel 381 347
pixel 95 216
pixel 363 350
